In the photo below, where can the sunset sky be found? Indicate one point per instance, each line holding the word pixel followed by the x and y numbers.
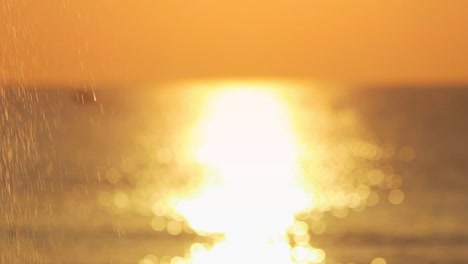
pixel 117 42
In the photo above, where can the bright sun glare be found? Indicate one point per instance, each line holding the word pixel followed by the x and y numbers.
pixel 247 143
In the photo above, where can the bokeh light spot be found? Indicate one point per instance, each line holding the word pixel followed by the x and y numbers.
pixel 149 259
pixel 121 200
pixel 174 227
pixel 396 197
pixel 379 261
pixel 158 223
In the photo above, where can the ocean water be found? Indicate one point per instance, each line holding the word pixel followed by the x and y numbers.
pixel 87 181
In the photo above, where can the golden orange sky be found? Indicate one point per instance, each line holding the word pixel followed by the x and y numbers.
pixel 117 42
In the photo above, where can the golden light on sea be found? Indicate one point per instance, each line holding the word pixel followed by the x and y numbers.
pixel 251 192
pixel 253 175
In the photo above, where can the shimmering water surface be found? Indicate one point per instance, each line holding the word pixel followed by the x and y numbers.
pixel 234 172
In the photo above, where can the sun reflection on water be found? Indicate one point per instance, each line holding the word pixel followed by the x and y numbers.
pixel 257 175
pixel 252 190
